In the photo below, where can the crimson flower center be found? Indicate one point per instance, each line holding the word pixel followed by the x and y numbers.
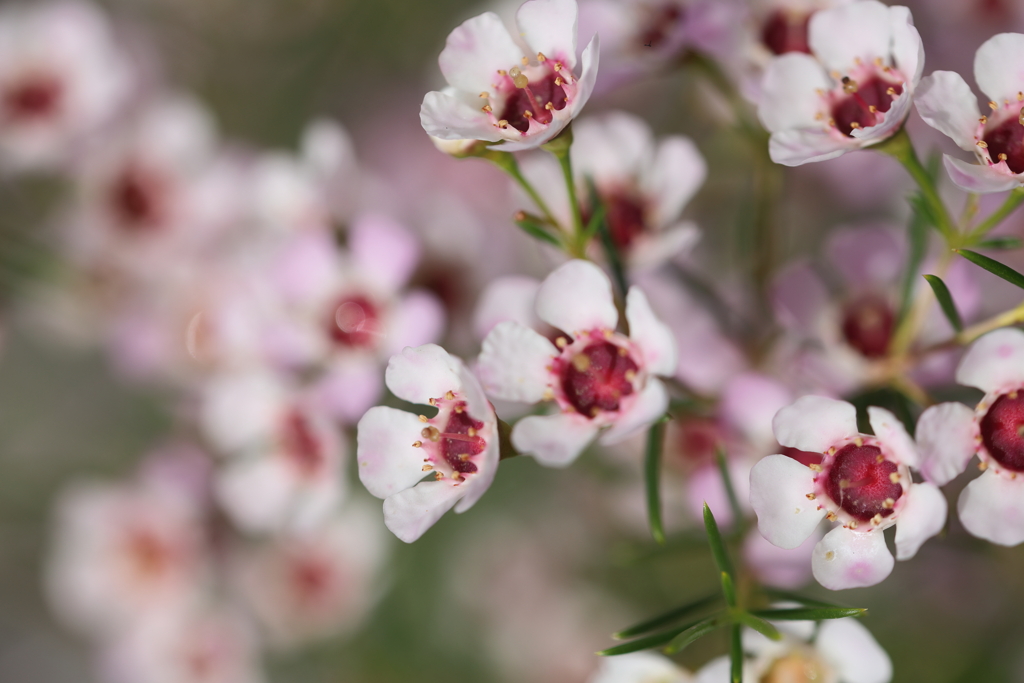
pixel 355 322
pixel 868 325
pixel 661 23
pixel 625 219
pixel 597 378
pixel 459 441
pixel 536 100
pixel 786 32
pixel 699 438
pixel 301 445
pixel 860 481
pixel 1006 143
pixel 312 579
pixel 149 555
pixel 863 103
pixel 32 98
pixel 1002 431
pixel 136 198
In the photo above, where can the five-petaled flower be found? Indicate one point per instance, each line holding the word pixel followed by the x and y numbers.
pixel 600 379
pixel 863 482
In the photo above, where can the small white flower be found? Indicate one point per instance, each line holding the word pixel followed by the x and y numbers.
pixel 497 91
pixel 600 379
pixel 640 667
pixel 863 482
pixel 458 447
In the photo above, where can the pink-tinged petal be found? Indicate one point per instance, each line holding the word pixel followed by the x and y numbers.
pixel 510 298
pixel 891 121
pixel 718 670
pixel 388 461
pixel 814 423
pixel 588 74
pixel 750 401
pixel 999 66
pixel 614 148
pixel 795 147
pixel 577 297
pixel 554 440
pixel 995 362
pixel 476 486
pixel 657 248
pixel 891 432
pixel 907 47
pixel 654 338
pixel 513 364
pixel 843 36
pixel 923 515
pixel 678 171
pixel 866 256
pixel 549 27
pixel 799 297
pixel 256 494
pixel 409 513
pixel 419 374
pixel 418 319
pixel 639 667
pixel 383 250
pixel 849 647
pixel 851 559
pixel 444 116
pixel 992 507
pixel 650 405
pixel 475 51
pixel 945 437
pixel 705 485
pixel 778 493
pixel 777 566
pixel 349 388
pixel 790 98
pixel 946 103
pixel 979 178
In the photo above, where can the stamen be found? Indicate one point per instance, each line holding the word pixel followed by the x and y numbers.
pixel 541 57
pixel 518 77
pixel 449 395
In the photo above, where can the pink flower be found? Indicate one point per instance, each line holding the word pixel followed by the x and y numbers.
pixel 852 91
pixel 499 90
pixel 459 445
pixel 863 482
pixel 950 434
pixel 946 103
pixel 600 379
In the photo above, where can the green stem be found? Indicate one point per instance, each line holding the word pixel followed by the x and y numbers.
pixel 577 216
pixel 509 165
pixel 1013 201
pixel 900 147
pixel 736 652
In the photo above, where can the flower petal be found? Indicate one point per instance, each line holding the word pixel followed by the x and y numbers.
pixel 795 147
pixel 256 493
pixel 614 148
pixel 348 388
pixel 851 559
pixel 639 667
pixel 475 51
pixel 446 117
pixel 995 362
pixel 418 319
pixel 945 436
pixel 844 36
pixel 653 337
pixel 388 462
pixel 588 74
pixel 655 249
pixel 814 423
pixel 650 405
pixel 907 47
pixel 997 66
pixel 992 507
pixel 476 486
pixel 718 670
pixel 778 493
pixel 384 251
pixel 750 401
pixel 857 657
pixel 946 103
pixel 891 432
pixel 554 440
pixel 779 567
pixel 577 297
pixel 790 92
pixel 549 27
pixel 421 373
pixel 979 178
pixel 509 298
pixel 923 515
pixel 409 513
pixel 678 171
pixel 513 364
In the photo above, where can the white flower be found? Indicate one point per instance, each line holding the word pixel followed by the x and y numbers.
pixel 863 482
pixel 950 434
pixel 853 91
pixel 600 379
pixel 458 446
pixel 499 91
pixel 946 103
pixel 640 667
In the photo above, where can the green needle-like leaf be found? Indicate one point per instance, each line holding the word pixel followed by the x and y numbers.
pixel 534 229
pixel 736 653
pixel 995 267
pixel 647 642
pixel 1001 243
pixel 595 221
pixel 666 618
pixel 760 625
pixel 809 613
pixel 718 550
pixel 728 589
pixel 730 490
pixel 780 594
pixel 694 633
pixel 652 477
pixel 945 300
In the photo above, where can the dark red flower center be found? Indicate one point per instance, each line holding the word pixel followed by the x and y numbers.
pixel 597 378
pixel 137 200
pixel 860 481
pixel 625 215
pixel 150 556
pixel 661 23
pixel 868 325
pixel 532 102
pixel 460 440
pixel 311 579
pixel 354 322
pixel 1006 142
pixel 301 444
pixel 699 438
pixel 786 32
pixel 32 98
pixel 862 103
pixel 806 458
pixel 1002 431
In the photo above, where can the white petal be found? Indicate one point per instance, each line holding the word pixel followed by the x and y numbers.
pixel 476 401
pixel 554 440
pixel 997 68
pixel 421 373
pixel 654 338
pixel 348 388
pixel 639 667
pixel 778 493
pixel 614 148
pixel 814 423
pixel 945 436
pixel 799 297
pixel 718 670
pixel 841 36
pixel 923 515
pixel 257 493
pixel 577 297
pixel 750 401
pixel 795 147
pixel 446 117
pixel 891 121
pixel 678 171
pixel 790 92
pixel 475 51
pixel 992 507
pixel 383 250
pixel 891 432
pixel 995 362
pixel 779 567
pixel 418 319
pixel 549 27
pixel 853 651
pixel 388 462
pixel 650 405
pixel 513 364
pixel 653 250
pixel 588 75
pixel 980 178
pixel 506 298
pixel 907 47
pixel 851 559
pixel 946 103
pixel 408 514
pixel 476 486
